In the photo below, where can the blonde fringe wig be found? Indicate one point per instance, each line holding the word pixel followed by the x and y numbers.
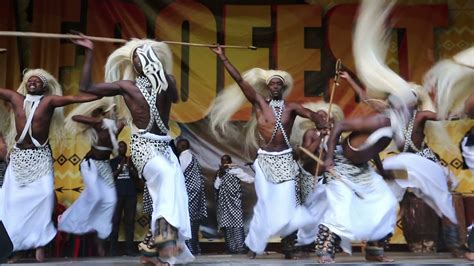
pixel 57 121
pixel 370 47
pixel 302 124
pixel 231 99
pixel 119 66
pixel 86 109
pixel 452 81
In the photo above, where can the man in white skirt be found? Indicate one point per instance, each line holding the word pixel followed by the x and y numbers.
pixel 146 102
pixel 275 168
pixel 94 209
pixel 27 195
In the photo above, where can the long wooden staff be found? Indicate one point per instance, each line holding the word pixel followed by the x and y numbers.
pixel 334 173
pixel 333 87
pixel 106 39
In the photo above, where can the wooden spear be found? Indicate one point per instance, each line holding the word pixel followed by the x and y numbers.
pixel 106 39
pixel 333 88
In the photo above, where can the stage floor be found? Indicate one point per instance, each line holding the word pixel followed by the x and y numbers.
pixel 268 259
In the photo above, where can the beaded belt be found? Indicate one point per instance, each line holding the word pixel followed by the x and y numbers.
pixel 30 165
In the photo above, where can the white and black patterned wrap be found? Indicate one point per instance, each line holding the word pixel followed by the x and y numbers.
pixel 144 149
pixel 194 181
pixel 360 174
pixel 30 165
pixel 429 154
pixel 229 204
pixel 278 168
pixel 306 183
pixel 104 171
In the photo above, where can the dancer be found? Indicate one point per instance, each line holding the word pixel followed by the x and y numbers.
pixel 230 216
pixel 307 134
pixel 194 181
pixel 276 170
pixel 140 72
pixel 345 216
pixel 94 209
pixel 27 195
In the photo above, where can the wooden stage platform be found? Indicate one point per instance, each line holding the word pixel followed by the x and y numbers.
pixel 268 259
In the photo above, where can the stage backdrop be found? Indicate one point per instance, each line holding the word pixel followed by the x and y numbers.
pixel 301 37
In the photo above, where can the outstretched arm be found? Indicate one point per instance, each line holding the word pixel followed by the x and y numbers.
pixel 58 101
pixel 10 96
pixel 360 124
pixel 87 119
pixel 85 85
pixel 321 123
pixel 246 88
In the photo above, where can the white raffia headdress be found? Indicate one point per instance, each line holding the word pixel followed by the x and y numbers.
pixel 53 88
pixel 302 124
pixel 452 81
pixel 119 66
pixel 370 47
pixel 106 104
pixel 231 99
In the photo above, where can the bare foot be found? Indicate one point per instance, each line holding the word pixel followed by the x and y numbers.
pixel 469 255
pixel 100 250
pixel 326 259
pixel 15 258
pixel 40 254
pixel 169 251
pixel 380 258
pixel 153 261
pixel 302 255
pixel 251 255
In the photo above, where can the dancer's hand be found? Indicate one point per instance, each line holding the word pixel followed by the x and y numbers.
pixel 218 50
pixel 328 164
pixel 84 42
pixel 345 75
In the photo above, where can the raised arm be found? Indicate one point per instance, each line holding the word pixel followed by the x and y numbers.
pixel 249 92
pixel 375 104
pixel 172 91
pixel 358 90
pixel 85 85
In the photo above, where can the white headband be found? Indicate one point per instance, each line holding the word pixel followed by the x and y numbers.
pixel 276 76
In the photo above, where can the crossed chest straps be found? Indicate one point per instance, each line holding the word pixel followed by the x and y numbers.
pixel 408 132
pixel 278 106
pixel 143 84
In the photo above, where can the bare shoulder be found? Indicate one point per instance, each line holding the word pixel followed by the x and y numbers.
pixel 293 105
